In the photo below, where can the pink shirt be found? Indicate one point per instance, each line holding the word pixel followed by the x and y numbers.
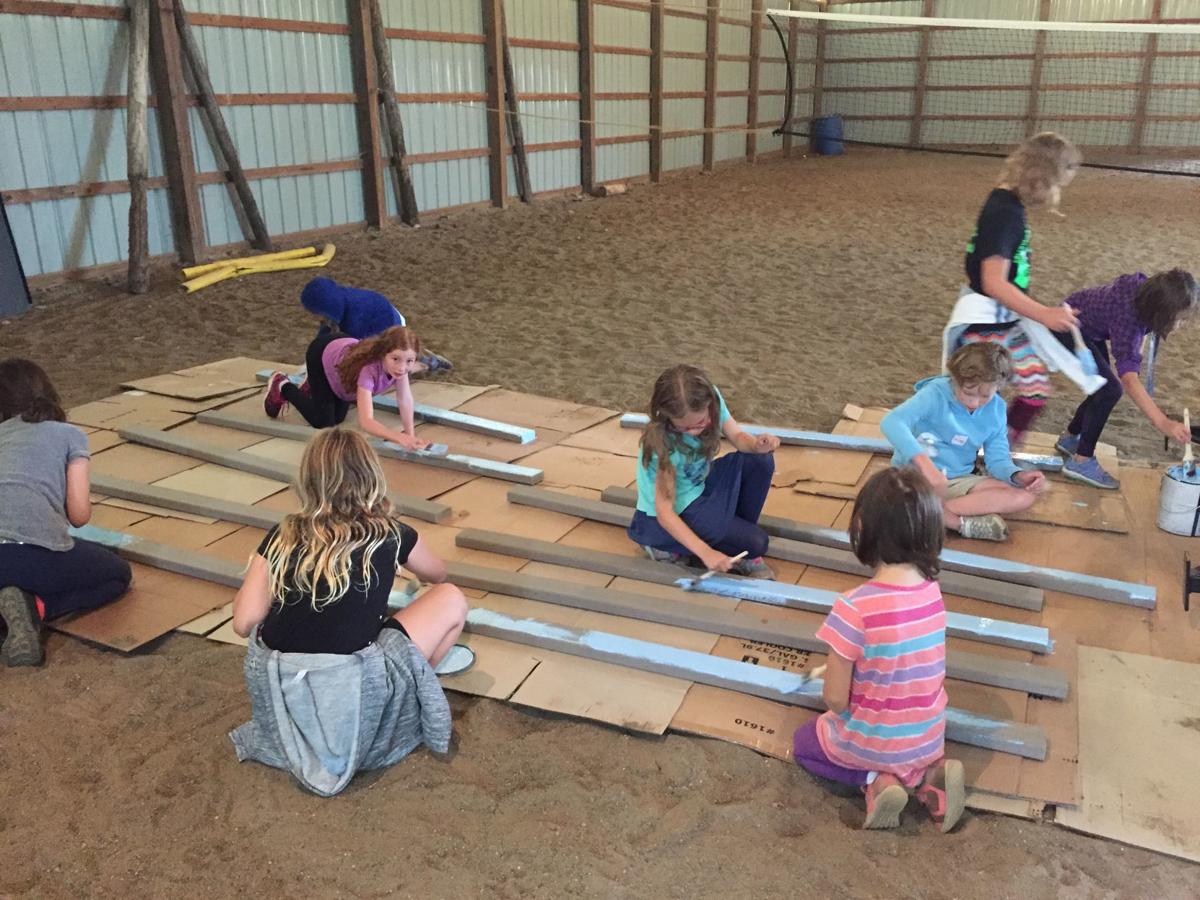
pixel 372 377
pixel 896 720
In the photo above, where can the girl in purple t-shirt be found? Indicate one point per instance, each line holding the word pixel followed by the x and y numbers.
pixel 344 370
pixel 1118 316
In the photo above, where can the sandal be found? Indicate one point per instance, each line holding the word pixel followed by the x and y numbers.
pixel 886 799
pixel 943 793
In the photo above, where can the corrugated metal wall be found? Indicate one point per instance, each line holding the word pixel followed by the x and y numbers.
pixel 618 28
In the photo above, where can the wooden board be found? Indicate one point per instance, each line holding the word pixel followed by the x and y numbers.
pixel 534 411
pixel 156 603
pixel 1139 727
pixel 223 483
pixel 1074 505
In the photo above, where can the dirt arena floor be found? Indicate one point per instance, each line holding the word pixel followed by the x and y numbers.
pixel 800 284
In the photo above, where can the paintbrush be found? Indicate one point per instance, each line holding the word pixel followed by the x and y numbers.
pixel 1189 461
pixel 692 583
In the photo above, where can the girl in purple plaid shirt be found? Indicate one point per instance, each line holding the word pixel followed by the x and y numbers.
pixel 1118 316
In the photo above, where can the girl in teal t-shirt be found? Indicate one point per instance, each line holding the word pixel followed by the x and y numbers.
pixel 690 509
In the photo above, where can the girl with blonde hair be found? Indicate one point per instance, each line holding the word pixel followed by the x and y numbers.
pixel 336 683
pixel 344 370
pixel 996 305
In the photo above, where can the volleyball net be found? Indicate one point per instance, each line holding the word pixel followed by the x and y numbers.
pixel 1128 94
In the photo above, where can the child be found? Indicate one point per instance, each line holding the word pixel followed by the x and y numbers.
pixel 687 505
pixel 885 728
pixel 44 489
pixel 359 313
pixel 1122 313
pixel 336 685
pixel 997 306
pixel 344 370
pixel 940 430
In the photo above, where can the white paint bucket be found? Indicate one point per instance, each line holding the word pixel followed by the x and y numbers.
pixel 1179 501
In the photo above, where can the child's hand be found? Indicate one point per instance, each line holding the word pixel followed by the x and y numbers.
pixel 1032 481
pixel 716 560
pixel 409 442
pixel 1176 431
pixel 766 443
pixel 1060 318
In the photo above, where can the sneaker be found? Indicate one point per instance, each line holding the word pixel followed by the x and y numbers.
pixel 435 363
pixel 273 402
pixel 687 561
pixel 753 568
pixel 943 793
pixel 1067 444
pixel 886 799
pixel 23 644
pixel 1090 472
pixel 984 528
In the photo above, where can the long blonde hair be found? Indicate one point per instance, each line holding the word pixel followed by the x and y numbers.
pixel 1036 170
pixel 374 349
pixel 679 392
pixel 344 507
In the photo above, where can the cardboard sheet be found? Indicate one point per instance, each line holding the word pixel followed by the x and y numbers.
pixel 114 518
pixel 226 635
pixel 470 443
pixel 425 482
pixel 762 725
pixel 191 387
pixel 222 483
pixel 483 503
pixel 500 668
pixel 1139 726
pixel 607 437
pixel 156 603
pixel 237 546
pixel 100 440
pixel 225 438
pixel 208 622
pixel 177 533
pixel 833 466
pixel 573 466
pixel 144 464
pixel 281 450
pixel 1075 505
pixel 149 510
pixel 443 394
pixel 533 411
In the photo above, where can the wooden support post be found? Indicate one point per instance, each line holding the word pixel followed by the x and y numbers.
pixel 1035 75
pixel 657 17
pixel 208 102
pixel 136 145
pixel 1138 139
pixel 406 198
pixel 818 95
pixel 918 110
pixel 175 134
pixel 756 23
pixel 366 109
pixel 793 39
pixel 493 33
pixel 516 133
pixel 587 98
pixel 712 34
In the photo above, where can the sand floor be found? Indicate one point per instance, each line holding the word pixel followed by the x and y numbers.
pixel 800 285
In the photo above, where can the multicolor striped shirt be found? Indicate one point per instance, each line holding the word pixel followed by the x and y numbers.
pixel 896 720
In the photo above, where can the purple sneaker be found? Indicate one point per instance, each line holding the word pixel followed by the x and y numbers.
pixel 273 402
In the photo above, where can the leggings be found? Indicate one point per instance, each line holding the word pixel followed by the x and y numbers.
pixel 726 515
pixel 321 408
pixel 84 577
pixel 1030 378
pixel 806 750
pixel 1092 414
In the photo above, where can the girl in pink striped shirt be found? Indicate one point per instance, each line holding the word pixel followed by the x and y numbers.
pixel 885 728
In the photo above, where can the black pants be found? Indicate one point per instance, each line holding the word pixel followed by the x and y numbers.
pixel 1092 414
pixel 322 408
pixel 84 577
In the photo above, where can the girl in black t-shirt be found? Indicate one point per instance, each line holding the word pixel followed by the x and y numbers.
pixel 320 580
pixel 997 268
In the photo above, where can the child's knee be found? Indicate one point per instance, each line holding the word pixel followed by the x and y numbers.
pixel 455 602
pixel 759 543
pixel 1020 500
pixel 764 462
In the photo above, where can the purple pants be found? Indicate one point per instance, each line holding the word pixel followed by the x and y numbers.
pixel 726 515
pixel 806 748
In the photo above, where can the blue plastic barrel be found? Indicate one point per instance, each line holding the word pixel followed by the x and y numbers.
pixel 827 135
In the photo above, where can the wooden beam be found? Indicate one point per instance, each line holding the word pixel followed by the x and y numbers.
pixel 914 134
pixel 452 461
pixel 175 134
pixel 493 30
pixel 657 22
pixel 365 69
pixel 756 20
pixel 587 99
pixel 137 146
pixel 1035 76
pixel 425 510
pixel 712 38
pixel 818 90
pixel 512 104
pixel 406 198
pixel 216 122
pixel 1138 137
pixel 185 501
pixel 975 628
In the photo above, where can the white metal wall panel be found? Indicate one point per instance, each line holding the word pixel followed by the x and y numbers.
pixel 454 16
pixel 733 40
pixel 682 35
pixel 616 26
pixel 683 153
pixel 616 161
pixel 544 20
pixel 301 10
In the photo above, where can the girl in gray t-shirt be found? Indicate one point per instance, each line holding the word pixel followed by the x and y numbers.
pixel 44 489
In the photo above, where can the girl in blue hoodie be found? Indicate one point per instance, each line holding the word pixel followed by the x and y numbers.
pixel 940 431
pixel 359 313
